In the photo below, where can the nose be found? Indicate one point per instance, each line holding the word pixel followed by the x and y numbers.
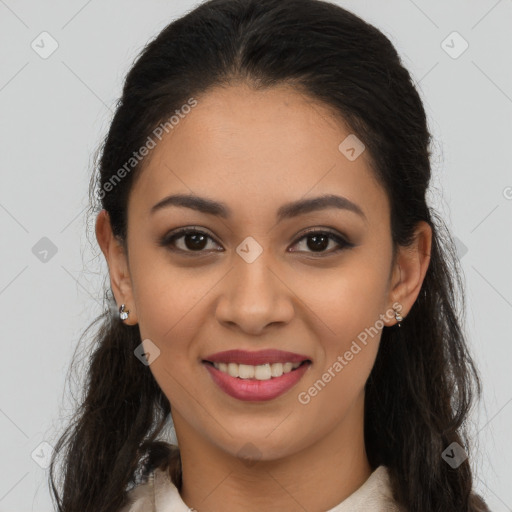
pixel 255 296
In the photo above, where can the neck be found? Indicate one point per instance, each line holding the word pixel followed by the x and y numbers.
pixel 315 479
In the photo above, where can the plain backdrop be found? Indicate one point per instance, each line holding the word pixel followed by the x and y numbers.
pixel 55 110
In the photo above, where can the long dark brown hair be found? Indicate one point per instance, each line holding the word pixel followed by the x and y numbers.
pixel 420 392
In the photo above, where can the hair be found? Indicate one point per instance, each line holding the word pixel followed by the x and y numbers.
pixel 420 392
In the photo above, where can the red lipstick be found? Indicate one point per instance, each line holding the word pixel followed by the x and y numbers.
pixel 256 389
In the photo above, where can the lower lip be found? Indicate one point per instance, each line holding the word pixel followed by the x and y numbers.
pixel 256 390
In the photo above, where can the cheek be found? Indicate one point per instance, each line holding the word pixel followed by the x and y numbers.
pixel 333 394
pixel 168 298
pixel 345 359
pixel 347 306
pixel 346 300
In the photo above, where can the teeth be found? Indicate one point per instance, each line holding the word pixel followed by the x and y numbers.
pixel 259 372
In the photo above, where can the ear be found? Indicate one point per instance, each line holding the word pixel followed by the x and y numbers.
pixel 411 264
pixel 117 261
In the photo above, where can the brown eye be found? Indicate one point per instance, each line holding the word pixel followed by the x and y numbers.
pixel 318 241
pixel 189 241
pixel 193 240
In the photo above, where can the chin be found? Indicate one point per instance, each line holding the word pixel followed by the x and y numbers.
pixel 253 450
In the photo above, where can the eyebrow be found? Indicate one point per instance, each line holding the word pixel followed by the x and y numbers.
pixel 286 211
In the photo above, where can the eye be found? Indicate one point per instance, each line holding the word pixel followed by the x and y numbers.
pixel 195 241
pixel 320 241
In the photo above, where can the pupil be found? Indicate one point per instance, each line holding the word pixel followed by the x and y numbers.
pixel 315 245
pixel 194 237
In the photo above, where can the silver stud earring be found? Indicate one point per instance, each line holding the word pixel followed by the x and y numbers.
pixel 122 313
pixel 398 317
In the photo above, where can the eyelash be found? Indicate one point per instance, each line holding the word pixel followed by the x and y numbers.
pixel 169 239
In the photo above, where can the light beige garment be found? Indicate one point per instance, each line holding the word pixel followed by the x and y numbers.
pixel 159 494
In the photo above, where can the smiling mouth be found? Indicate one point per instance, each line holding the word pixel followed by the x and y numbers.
pixel 265 371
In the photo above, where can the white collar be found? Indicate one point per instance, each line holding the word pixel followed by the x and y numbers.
pixel 159 494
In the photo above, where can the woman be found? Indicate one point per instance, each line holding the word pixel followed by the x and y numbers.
pixel 282 290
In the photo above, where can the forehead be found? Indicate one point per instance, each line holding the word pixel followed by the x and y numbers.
pixel 253 149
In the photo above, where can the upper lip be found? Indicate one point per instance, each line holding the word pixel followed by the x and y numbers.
pixel 256 358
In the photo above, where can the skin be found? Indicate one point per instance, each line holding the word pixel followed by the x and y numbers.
pixel 254 151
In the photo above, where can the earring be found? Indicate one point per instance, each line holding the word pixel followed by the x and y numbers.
pixel 122 313
pixel 398 317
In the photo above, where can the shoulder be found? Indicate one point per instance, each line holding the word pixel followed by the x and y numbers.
pixel 383 491
pixel 379 492
pixel 374 495
pixel 158 493
pixel 142 497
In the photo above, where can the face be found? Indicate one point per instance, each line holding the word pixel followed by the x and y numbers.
pixel 309 281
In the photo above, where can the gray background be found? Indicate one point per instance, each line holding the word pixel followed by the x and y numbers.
pixel 54 113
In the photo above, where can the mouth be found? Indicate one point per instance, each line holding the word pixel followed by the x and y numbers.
pixel 256 375
pixel 266 371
